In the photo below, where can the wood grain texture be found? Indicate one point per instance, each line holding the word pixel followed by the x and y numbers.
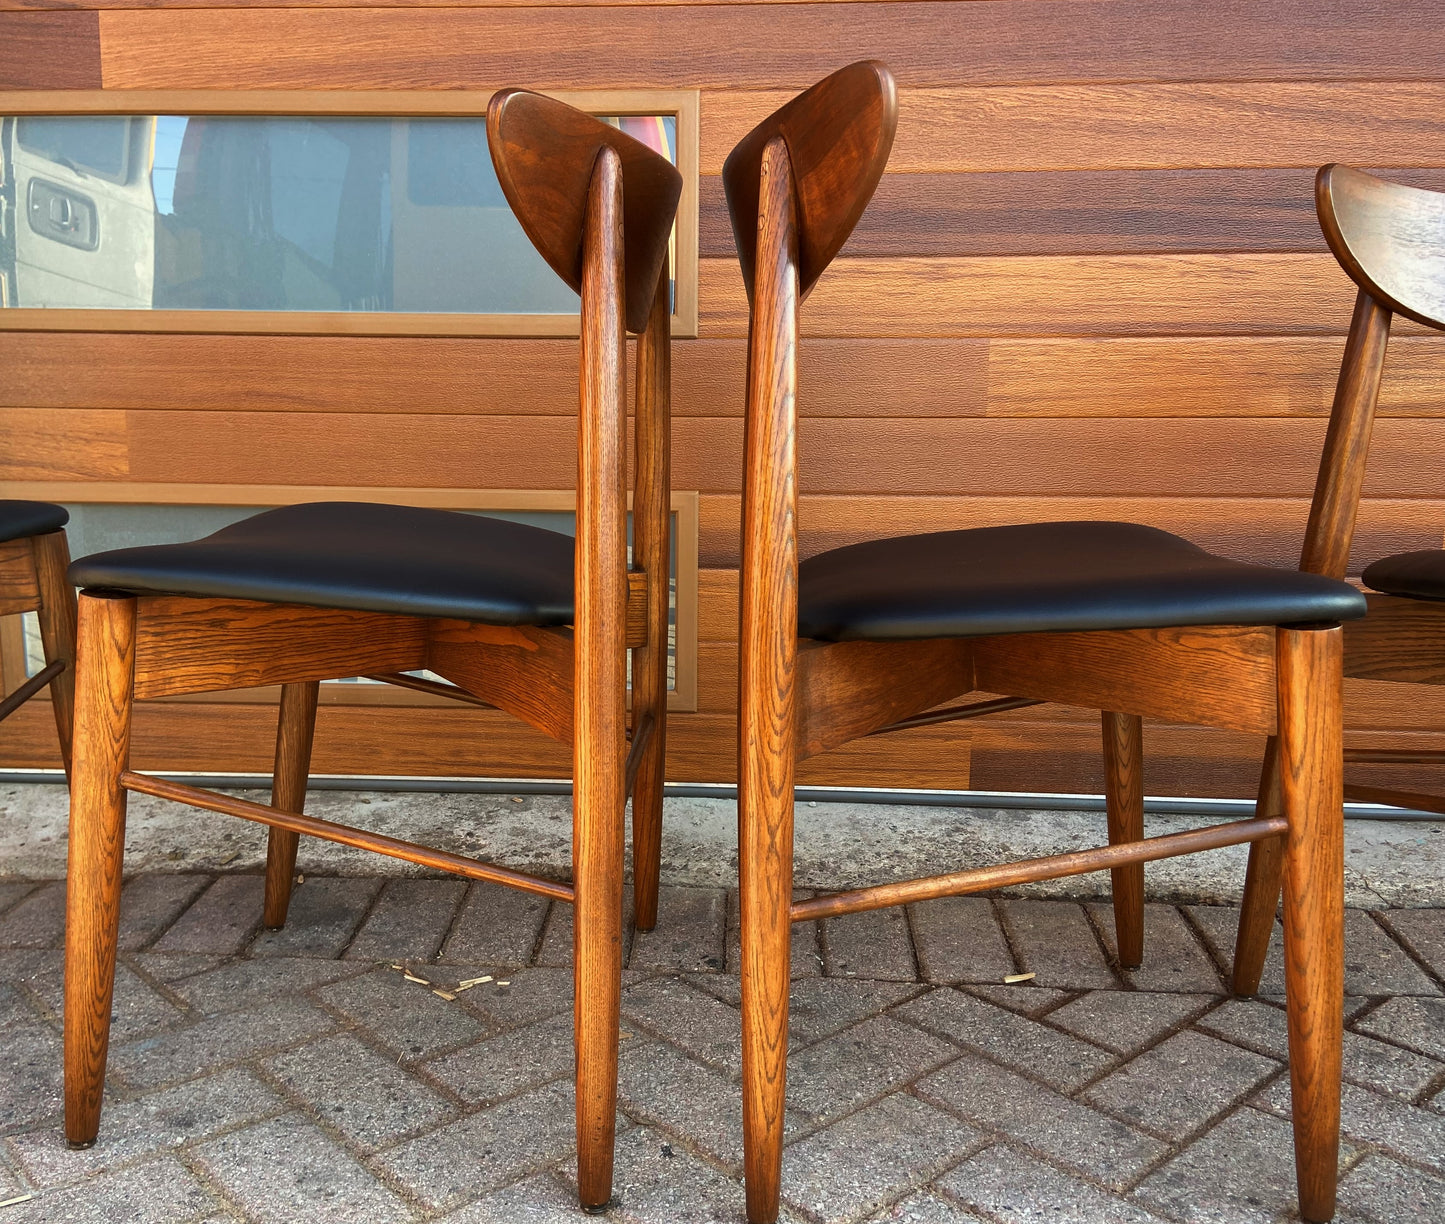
pixel 1077 212
pixel 1310 764
pixel 524 670
pixel 1401 640
pixel 49 50
pixel 1123 736
pixel 786 45
pixel 1138 126
pixel 295 732
pixel 57 630
pixel 96 852
pixel 197 645
pixel 19 581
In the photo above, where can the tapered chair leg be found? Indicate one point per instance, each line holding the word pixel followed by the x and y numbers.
pixel 597 858
pixel 106 664
pixel 295 729
pixel 57 631
pixel 1261 884
pixel 1311 771
pixel 647 814
pixel 1124 800
pixel 765 836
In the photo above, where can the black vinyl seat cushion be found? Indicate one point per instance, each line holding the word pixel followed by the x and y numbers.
pixel 1049 577
pixel 1419 575
pixel 361 555
pixel 19 519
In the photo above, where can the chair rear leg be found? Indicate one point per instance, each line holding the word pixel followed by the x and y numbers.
pixel 1124 800
pixel 1261 883
pixel 765 891
pixel 97 840
pixel 649 695
pixel 597 857
pixel 1311 771
pixel 57 630
pixel 295 729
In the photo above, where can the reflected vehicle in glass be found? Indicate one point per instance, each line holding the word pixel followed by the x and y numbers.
pixel 269 213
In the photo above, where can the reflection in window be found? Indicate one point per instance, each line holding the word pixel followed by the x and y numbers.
pixel 276 213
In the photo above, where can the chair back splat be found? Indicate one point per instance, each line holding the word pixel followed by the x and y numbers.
pixel 1391 240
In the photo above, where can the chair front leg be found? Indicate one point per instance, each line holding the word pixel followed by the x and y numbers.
pixel 57 631
pixel 1311 774
pixel 295 729
pixel 105 671
pixel 1124 801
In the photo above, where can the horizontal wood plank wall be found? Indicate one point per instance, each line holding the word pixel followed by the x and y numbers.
pixel 1091 285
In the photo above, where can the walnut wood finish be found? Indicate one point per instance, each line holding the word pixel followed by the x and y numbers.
pixel 295 729
pixel 798 697
pixel 571 683
pixel 1389 238
pixel 105 652
pixel 1124 806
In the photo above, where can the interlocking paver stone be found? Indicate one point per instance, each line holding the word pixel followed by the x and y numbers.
pixel 174 966
pixel 529 994
pixel 819 1007
pixel 409 921
pixel 1375 1064
pixel 1376 965
pixel 1219 924
pixel 959 940
pixel 1014 1188
pixel 540 1199
pixel 250 983
pixel 874 945
pixel 670 1090
pixel 1424 931
pixel 876 1155
pixel 38 921
pixel 497 926
pixel 1380 1191
pixel 658 1182
pixel 180 1115
pixel 1174 959
pixel 402 1015
pixel 150 903
pixel 924 1208
pixel 1055 941
pixel 860 1064
pixel 29 1076
pixel 161 1191
pixel 488 1149
pixel 217 1041
pixel 135 1007
pixel 1063 1062
pixel 690 932
pixel 286 1170
pixel 1127 1020
pixel 1062 1129
pixel 324 914
pixel 500 1066
pixel 1407 1130
pixel 11 891
pixel 368 1098
pixel 1182 1083
pixel 1024 998
pixel 1417 1023
pixel 15 1008
pixel 701 1024
pixel 220 921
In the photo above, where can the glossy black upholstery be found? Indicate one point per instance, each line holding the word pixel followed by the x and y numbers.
pixel 365 556
pixel 1042 577
pixel 19 519
pixel 1420 575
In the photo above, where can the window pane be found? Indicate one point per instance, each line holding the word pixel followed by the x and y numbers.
pixel 274 213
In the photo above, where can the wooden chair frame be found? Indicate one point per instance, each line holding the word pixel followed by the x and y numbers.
pixel 800 697
pixel 568 682
pixel 32 579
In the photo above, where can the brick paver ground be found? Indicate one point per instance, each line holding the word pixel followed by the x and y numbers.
pixel 299 1075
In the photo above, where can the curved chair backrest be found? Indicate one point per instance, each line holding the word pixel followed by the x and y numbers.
pixel 545 153
pixel 1391 240
pixel 838 135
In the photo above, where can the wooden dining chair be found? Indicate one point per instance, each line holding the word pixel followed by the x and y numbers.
pixel 512 615
pixel 33 561
pixel 1390 239
pixel 1118 617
